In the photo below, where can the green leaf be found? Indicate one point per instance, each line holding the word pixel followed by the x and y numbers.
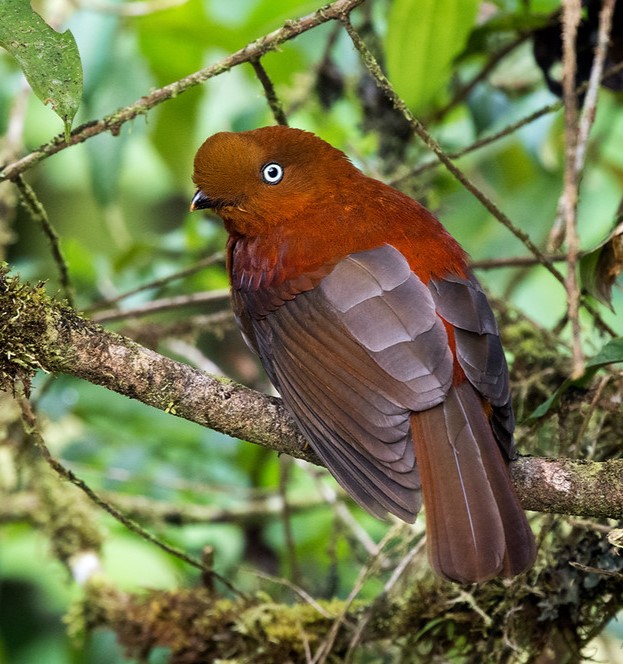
pixel 611 353
pixel 50 60
pixel 423 38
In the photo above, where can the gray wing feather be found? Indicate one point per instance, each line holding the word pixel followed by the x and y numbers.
pixel 391 313
pixel 352 358
pixel 463 303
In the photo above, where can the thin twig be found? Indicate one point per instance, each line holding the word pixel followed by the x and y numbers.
pixel 592 407
pixel 24 506
pixel 162 281
pixel 309 86
pixel 324 650
pixel 285 466
pixel 591 88
pixel 482 74
pixel 502 133
pixel 589 107
pixel 114 121
pixel 572 12
pixel 38 213
pixel 331 497
pixel 10 147
pixel 190 353
pixel 378 601
pixel 30 421
pixel 576 137
pixel 468 598
pixel 482 142
pixel 163 304
pixel 513 261
pixel 587 119
pixel 419 129
pixel 576 140
pixel 269 90
pixel 151 333
pixel 303 594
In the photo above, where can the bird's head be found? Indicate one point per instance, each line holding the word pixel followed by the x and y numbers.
pixel 259 179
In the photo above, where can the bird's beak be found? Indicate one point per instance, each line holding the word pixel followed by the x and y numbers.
pixel 200 201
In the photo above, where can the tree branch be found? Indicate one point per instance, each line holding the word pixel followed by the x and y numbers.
pixel 40 216
pixel 38 333
pixel 516 619
pixel 269 90
pixel 569 486
pixel 572 12
pixel 418 128
pixel 251 52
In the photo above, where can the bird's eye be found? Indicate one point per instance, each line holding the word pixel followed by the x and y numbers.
pixel 272 173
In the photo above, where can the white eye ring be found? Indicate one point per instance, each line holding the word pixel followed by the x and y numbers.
pixel 272 173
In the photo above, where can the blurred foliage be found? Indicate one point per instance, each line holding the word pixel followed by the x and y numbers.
pixel 427 35
pixel 120 207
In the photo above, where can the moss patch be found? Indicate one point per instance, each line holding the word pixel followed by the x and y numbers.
pixel 23 324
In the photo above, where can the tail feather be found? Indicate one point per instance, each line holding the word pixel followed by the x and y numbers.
pixel 476 527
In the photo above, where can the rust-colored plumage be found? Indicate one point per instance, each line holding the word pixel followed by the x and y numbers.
pixel 380 341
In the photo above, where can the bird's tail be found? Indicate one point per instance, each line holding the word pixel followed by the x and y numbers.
pixel 476 528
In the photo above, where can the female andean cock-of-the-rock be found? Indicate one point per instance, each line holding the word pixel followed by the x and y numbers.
pixel 378 338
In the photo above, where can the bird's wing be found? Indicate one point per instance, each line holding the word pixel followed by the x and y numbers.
pixel 352 358
pixel 479 351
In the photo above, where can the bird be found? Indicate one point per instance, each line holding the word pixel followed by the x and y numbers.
pixel 379 339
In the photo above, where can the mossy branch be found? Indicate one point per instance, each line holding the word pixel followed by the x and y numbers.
pixel 39 333
pixel 198 626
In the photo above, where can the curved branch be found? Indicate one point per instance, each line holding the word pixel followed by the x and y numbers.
pixel 40 216
pixel 250 53
pixel 38 333
pixel 418 128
